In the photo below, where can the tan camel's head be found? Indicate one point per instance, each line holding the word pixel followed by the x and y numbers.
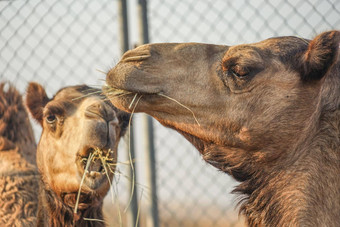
pixel 247 99
pixel 77 121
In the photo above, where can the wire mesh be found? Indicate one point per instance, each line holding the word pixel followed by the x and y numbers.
pixel 59 43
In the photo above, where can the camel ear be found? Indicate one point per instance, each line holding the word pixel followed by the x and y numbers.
pixel 322 52
pixel 36 99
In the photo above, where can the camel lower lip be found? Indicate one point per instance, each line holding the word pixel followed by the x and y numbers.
pixel 94 174
pixel 94 178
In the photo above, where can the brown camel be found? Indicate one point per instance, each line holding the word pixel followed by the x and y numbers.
pixel 76 122
pixel 19 181
pixel 266 113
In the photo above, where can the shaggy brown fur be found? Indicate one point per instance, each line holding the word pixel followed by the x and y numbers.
pixel 269 115
pixel 60 209
pixel 18 172
pixel 75 122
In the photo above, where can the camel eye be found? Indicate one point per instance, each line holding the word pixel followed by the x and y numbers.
pixel 238 71
pixel 50 119
pixel 232 72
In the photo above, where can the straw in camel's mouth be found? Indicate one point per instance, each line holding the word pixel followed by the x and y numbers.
pixel 95 167
pixel 127 99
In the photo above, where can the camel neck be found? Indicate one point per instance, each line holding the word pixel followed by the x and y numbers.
pixel 304 194
pixel 321 162
pixel 301 185
pixel 55 211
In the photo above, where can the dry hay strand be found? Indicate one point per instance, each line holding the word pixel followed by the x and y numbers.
pixel 182 105
pixel 129 149
pixel 114 92
pixel 82 181
pixel 94 219
pixel 89 94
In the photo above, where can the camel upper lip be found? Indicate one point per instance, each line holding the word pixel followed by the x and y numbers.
pixel 133 79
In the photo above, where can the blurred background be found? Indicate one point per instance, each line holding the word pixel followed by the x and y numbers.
pixel 60 43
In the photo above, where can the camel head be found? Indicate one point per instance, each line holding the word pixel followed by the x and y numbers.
pixel 76 122
pixel 237 104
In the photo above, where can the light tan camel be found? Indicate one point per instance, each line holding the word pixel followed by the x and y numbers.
pixel 19 181
pixel 76 122
pixel 266 113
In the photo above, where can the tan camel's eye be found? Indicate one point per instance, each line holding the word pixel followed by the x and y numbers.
pixel 239 71
pixel 50 119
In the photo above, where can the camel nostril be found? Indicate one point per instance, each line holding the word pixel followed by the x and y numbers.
pixel 136 55
pixel 97 110
pixel 136 58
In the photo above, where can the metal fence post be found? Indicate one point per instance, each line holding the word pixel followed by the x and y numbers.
pixel 124 26
pixel 133 206
pixel 149 149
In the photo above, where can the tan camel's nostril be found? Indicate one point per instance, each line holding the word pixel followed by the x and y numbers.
pixel 136 58
pixel 136 55
pixel 99 110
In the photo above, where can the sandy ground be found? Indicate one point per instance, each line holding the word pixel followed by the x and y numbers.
pixel 231 219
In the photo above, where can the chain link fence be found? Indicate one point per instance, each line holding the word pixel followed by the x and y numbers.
pixel 59 43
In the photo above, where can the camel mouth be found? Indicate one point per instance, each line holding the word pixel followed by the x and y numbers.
pixel 127 99
pixel 96 168
pixel 112 91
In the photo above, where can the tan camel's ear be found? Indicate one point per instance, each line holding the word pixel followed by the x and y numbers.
pixel 36 99
pixel 322 52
